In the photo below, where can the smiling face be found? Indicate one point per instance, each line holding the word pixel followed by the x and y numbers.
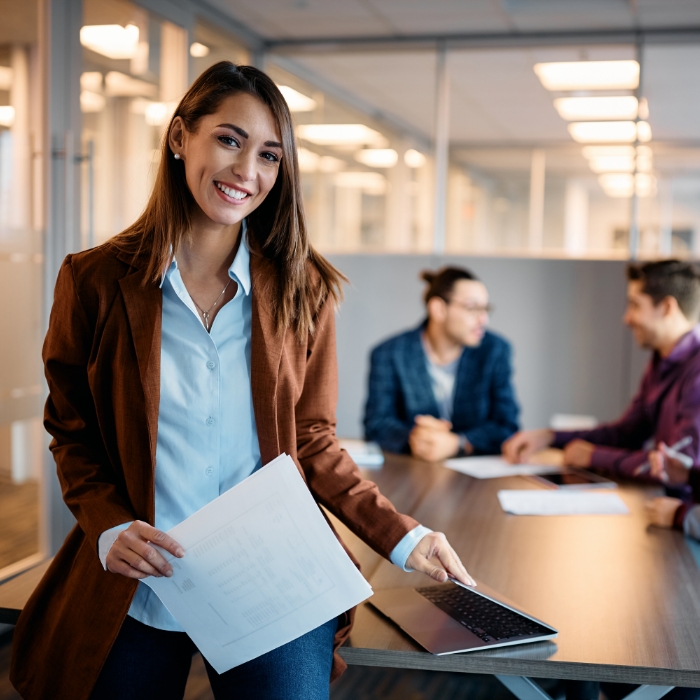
pixel 231 159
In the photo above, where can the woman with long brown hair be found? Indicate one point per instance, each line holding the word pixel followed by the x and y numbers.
pixel 200 340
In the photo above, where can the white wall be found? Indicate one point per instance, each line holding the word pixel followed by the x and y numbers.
pixel 571 352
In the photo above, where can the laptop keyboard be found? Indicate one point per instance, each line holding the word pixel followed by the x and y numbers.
pixel 483 617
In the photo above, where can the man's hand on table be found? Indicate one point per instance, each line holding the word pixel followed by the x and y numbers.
pixel 662 511
pixel 432 439
pixel 132 556
pixel 434 557
pixel 521 446
pixel 578 453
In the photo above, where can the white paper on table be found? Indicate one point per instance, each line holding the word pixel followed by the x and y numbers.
pixel 555 502
pixel 495 467
pixel 261 568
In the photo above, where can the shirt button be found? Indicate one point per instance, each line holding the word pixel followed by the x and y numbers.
pixel 209 471
pixel 211 364
pixel 210 421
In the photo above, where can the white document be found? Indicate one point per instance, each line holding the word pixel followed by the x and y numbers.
pixel 560 502
pixel 364 454
pixel 495 467
pixel 261 568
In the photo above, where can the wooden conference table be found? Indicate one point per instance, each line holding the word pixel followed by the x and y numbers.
pixel 624 596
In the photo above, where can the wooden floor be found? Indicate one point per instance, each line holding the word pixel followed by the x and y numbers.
pixel 19 521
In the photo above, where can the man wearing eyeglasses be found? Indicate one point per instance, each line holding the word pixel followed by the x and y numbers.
pixel 444 388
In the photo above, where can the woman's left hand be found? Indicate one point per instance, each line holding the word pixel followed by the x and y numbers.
pixel 434 557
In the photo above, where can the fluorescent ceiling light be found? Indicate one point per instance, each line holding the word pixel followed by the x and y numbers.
pixel 612 164
pixel 589 75
pixel 414 159
pixel 643 132
pixel 91 101
pixel 122 85
pixel 588 108
pixel 158 113
pixel 377 157
pixel 602 132
pixel 198 50
pixel 604 151
pixel 623 185
pixel 369 182
pixel 111 40
pixel 91 80
pixel 296 101
pixel 5 78
pixel 7 115
pixel 308 160
pixel 342 135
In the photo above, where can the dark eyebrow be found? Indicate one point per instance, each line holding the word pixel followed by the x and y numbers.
pixel 244 134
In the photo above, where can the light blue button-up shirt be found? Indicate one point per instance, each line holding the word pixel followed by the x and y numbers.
pixel 207 438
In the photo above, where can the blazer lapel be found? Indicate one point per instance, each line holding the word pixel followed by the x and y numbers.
pixel 265 357
pixel 419 389
pixel 144 306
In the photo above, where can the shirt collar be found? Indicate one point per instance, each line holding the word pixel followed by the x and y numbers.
pixel 240 267
pixel 685 346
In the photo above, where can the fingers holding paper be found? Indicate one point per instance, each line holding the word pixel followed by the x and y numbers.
pixel 132 554
pixel 434 557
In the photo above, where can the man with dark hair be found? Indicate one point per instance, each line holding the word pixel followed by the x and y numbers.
pixel 444 388
pixel 663 306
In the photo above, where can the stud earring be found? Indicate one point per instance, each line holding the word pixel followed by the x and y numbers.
pixel 177 156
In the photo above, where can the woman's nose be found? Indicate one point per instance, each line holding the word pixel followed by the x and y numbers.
pixel 244 166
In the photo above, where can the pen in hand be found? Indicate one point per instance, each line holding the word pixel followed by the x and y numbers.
pixel 673 452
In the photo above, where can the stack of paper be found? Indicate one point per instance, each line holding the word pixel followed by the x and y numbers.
pixel 495 467
pixel 551 502
pixel 261 568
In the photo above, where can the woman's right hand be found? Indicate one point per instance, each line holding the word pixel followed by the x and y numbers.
pixel 132 555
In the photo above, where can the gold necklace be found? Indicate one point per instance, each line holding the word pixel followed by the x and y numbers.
pixel 205 314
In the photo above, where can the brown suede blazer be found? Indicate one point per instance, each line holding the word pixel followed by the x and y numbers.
pixel 102 361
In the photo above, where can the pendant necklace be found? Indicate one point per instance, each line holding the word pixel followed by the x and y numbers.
pixel 205 314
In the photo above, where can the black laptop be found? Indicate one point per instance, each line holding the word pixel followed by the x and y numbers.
pixel 449 618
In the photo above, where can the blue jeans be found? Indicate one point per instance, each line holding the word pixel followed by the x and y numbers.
pixel 147 663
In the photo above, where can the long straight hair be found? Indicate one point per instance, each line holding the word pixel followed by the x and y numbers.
pixel 277 228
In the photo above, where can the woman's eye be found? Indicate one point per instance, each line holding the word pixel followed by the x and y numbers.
pixel 271 157
pixel 229 140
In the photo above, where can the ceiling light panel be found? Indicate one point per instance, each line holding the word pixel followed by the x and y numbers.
pixel 603 151
pixel 111 40
pixel 297 101
pixel 342 135
pixel 198 50
pixel 7 115
pixel 377 157
pixel 612 164
pixel 603 132
pixel 588 75
pixel 596 108
pixel 413 158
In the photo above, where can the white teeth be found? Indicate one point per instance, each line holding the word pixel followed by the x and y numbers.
pixel 234 194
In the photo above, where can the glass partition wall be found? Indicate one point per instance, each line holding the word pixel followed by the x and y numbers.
pixel 573 151
pixel 21 263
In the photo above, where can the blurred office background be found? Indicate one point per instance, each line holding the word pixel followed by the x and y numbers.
pixel 541 143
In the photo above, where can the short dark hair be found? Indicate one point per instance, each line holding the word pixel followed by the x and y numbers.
pixel 441 283
pixel 670 278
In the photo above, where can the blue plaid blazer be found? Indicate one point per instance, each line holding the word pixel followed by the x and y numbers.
pixel 485 410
